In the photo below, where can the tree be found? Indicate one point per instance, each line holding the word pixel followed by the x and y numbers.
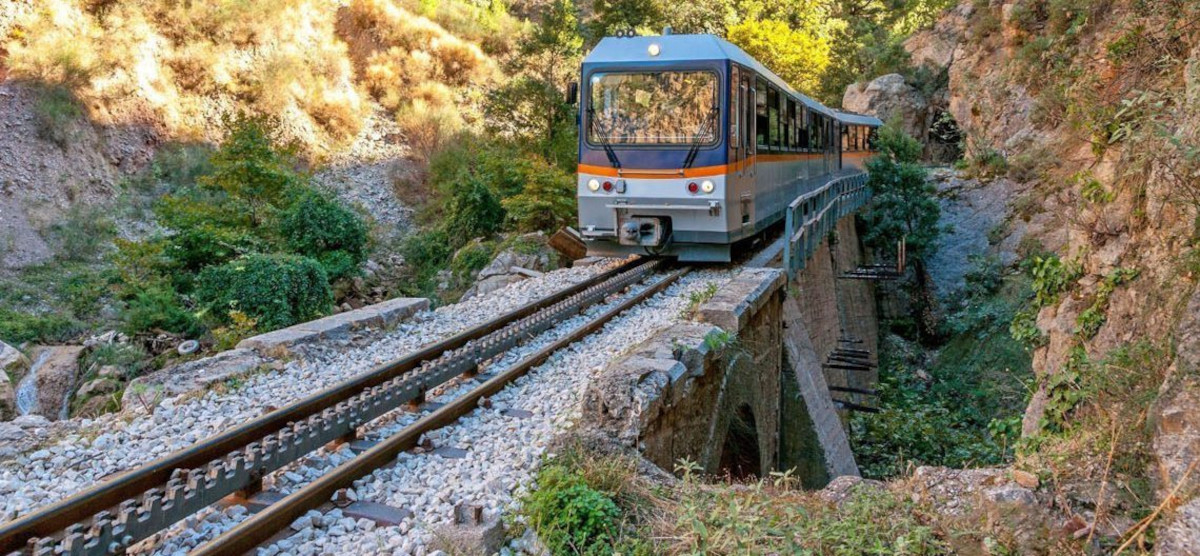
pixel 611 16
pixel 799 56
pixel 251 168
pixel 531 108
pixel 904 205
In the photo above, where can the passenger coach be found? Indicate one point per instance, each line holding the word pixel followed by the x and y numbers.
pixel 688 145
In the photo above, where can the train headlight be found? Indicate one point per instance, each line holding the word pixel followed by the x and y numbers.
pixel 653 49
pixel 707 186
pixel 594 184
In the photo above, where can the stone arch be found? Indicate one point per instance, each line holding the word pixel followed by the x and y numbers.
pixel 740 455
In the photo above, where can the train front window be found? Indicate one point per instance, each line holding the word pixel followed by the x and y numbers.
pixel 653 108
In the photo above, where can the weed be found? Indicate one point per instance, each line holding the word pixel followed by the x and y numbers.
pixel 1052 277
pixel 718 340
pixel 240 327
pixel 569 516
pixel 56 113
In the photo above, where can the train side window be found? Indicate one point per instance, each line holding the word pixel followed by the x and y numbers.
pixel 802 129
pixel 748 108
pixel 846 139
pixel 792 140
pixel 734 113
pixel 773 117
pixel 872 136
pixel 760 114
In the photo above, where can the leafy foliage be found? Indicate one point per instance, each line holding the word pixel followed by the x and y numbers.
pixel 274 290
pixel 798 55
pixel 1051 277
pixel 569 516
pixel 903 203
pixel 319 227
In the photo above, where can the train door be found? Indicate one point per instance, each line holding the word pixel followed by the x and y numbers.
pixel 741 175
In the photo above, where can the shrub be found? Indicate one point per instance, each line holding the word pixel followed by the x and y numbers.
pixel 472 210
pixel 471 259
pixel 158 308
pixel 428 127
pixel 569 516
pixel 322 228
pixel 1051 277
pixel 274 290
pixel 18 327
pixel 425 253
pixel 192 249
pixel 252 167
pixel 547 202
pixel 83 233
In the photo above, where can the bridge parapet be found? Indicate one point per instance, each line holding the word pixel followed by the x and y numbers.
pixel 813 215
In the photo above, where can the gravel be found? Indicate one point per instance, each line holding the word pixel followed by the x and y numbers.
pixel 89 450
pixel 502 451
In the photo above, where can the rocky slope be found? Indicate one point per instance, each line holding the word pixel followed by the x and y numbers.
pixel 1092 114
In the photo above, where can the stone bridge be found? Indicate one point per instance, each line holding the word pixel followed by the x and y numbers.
pixel 745 389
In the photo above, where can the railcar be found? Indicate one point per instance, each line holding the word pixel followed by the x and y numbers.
pixel 688 146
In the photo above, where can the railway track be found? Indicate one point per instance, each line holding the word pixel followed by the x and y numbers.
pixel 112 516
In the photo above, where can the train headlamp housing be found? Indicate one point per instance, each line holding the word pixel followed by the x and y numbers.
pixel 594 184
pixel 707 186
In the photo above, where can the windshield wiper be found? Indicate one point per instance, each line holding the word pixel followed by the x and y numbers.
pixel 691 155
pixel 602 136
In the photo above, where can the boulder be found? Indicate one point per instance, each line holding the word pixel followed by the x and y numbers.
pixel 97 387
pixel 12 361
pixel 147 391
pixel 491 284
pixel 936 46
pixel 889 97
pixel 56 371
pixel 8 398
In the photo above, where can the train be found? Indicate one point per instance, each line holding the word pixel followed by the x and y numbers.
pixel 689 147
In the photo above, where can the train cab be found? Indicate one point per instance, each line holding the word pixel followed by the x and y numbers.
pixel 687 145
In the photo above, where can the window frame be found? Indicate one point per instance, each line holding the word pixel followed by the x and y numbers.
pixel 718 137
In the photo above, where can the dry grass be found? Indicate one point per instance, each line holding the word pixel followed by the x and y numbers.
pixel 188 62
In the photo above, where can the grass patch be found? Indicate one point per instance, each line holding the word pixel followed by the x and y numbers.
pixel 698 516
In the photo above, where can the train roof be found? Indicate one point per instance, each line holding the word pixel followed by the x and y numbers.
pixel 854 118
pixel 689 48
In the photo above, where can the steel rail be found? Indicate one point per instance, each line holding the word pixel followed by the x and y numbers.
pixel 265 524
pixel 95 506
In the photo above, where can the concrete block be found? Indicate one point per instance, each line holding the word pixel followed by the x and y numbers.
pixel 741 298
pixel 337 327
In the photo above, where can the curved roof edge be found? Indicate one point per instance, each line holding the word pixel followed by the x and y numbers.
pixel 678 48
pixel 854 118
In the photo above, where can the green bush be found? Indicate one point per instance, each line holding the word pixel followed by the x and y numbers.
pixel 192 249
pixel 324 229
pixel 472 210
pixel 274 290
pixel 472 258
pixel 251 166
pixel 17 327
pixel 158 307
pixel 569 516
pixel 548 201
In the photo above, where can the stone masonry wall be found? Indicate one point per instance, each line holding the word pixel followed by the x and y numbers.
pixel 677 394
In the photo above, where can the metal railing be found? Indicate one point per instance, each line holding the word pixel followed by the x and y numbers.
pixel 813 215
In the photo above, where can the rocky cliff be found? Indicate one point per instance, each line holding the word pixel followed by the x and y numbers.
pixel 1090 114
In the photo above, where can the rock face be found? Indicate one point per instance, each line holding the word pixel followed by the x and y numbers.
pixel 889 97
pixel 54 374
pixel 13 365
pixel 989 500
pixel 511 266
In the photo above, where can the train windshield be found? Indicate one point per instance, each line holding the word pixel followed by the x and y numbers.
pixel 653 108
